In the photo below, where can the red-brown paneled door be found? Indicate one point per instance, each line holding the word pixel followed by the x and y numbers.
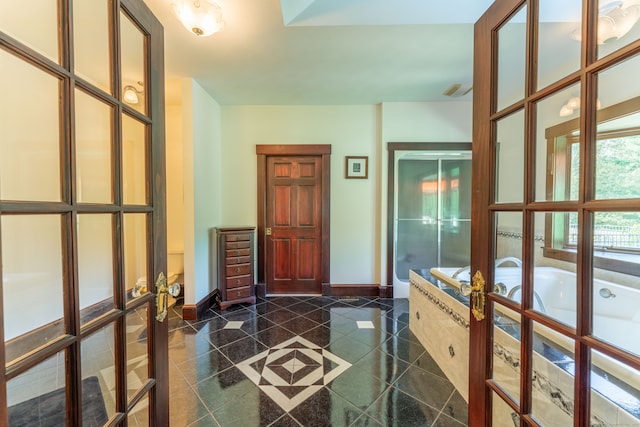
pixel 293 221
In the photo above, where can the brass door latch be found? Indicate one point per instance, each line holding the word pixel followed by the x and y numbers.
pixel 162 293
pixel 477 296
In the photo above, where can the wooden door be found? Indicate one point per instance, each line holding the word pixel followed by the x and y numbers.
pixel 294 218
pixel 82 215
pixel 556 208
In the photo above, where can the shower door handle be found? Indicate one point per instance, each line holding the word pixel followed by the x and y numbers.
pixel 478 297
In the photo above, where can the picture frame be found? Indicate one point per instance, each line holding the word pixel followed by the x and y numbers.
pixel 356 167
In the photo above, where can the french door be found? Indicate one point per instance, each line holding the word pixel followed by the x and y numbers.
pixel 556 155
pixel 82 214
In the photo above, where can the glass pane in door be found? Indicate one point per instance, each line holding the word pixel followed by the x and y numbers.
pixel 135 255
pixel 554 289
pixel 91 42
pixel 95 265
pixel 553 372
pixel 94 182
pixel 510 159
pixel 617 174
pixel 558 121
pixel 559 34
pixel 32 281
pixel 502 414
pixel 617 25
pixel 455 195
pixel 616 238
pixel 133 61
pixel 20 19
pixel 417 215
pixel 615 392
pixel 37 397
pixel 508 265
pixel 137 349
pixel 98 376
pixel 512 41
pixel 506 350
pixel 134 161
pixel 30 129
pixel 139 415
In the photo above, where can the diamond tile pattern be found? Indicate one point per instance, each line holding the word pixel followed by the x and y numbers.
pixel 306 361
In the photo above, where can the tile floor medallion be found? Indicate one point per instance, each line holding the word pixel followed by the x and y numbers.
pixel 293 371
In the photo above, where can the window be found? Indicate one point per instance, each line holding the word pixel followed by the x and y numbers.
pixel 616 234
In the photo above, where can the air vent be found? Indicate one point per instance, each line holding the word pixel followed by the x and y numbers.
pixel 457 90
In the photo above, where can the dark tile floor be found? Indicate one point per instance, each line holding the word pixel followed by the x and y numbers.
pixel 307 361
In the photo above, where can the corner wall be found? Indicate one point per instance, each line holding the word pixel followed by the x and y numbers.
pixel 202 185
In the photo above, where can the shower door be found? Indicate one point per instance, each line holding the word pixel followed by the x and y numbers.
pixel 433 210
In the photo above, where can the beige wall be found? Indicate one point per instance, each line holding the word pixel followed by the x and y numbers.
pixel 223 192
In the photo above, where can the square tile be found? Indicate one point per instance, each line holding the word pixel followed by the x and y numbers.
pixel 365 324
pixel 292 372
pixel 395 408
pixel 234 324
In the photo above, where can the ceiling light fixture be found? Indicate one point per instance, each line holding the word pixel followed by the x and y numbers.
pixel 572 105
pixel 201 17
pixel 615 19
pixel 130 94
pixel 457 90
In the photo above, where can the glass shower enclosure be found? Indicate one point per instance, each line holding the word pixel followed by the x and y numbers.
pixel 432 216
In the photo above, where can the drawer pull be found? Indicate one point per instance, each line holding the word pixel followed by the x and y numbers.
pixel 237 281
pixel 238 293
pixel 237 270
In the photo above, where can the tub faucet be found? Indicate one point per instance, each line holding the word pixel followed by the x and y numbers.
pixel 460 271
pixel 517 288
pixel 512 259
pixel 607 293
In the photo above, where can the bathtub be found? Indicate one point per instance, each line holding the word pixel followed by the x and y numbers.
pixel 615 318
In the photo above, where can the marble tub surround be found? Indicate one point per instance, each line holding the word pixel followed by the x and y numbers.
pixel 440 321
pixel 615 400
pixel 307 361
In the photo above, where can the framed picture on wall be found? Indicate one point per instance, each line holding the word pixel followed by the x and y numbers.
pixel 357 167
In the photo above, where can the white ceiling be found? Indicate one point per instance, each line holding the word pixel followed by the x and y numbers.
pixel 311 52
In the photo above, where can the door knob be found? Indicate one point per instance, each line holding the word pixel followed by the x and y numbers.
pixel 477 296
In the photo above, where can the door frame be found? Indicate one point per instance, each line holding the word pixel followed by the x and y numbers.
pixel 319 150
pixel 392 147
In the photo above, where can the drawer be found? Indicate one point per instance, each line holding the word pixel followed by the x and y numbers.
pixel 238 260
pixel 238 237
pixel 238 270
pixel 238 293
pixel 237 245
pixel 238 281
pixel 237 252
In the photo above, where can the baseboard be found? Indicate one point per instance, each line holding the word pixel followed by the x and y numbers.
pixel 386 291
pixel 261 290
pixel 347 290
pixel 196 311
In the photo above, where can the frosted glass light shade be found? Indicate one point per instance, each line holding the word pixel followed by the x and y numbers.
pixel 201 17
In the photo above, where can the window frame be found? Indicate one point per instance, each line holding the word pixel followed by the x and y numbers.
pixel 557 244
